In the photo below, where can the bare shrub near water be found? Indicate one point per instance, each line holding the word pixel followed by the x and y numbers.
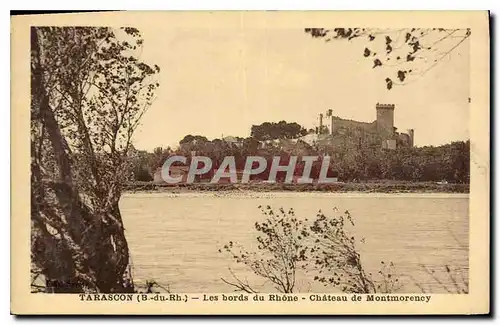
pixel 337 262
pixel 280 251
pixel 324 249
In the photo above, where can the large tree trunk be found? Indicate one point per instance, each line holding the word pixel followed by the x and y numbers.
pixel 74 246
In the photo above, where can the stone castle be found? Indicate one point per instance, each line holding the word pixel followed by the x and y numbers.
pixel 380 132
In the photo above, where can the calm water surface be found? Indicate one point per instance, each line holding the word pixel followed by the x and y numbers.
pixel 174 238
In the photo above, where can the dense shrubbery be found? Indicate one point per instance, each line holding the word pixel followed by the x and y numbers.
pixel 448 162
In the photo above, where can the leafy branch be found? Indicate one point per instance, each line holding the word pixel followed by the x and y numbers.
pixel 408 53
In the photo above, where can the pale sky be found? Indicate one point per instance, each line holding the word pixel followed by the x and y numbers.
pixel 218 82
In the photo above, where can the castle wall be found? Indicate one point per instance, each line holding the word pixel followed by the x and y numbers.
pixel 354 134
pixel 411 134
pixel 339 123
pixel 404 139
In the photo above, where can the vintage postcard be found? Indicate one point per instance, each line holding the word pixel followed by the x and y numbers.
pixel 258 163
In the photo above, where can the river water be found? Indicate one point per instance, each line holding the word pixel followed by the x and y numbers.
pixel 174 238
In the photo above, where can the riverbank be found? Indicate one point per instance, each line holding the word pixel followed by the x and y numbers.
pixel 365 187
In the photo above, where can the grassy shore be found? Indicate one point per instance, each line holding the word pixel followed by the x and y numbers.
pixel 367 187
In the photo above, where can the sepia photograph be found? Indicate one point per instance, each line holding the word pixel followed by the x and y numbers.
pixel 240 160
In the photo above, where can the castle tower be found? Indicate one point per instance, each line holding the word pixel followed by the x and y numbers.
pixel 329 114
pixel 320 123
pixel 411 133
pixel 385 120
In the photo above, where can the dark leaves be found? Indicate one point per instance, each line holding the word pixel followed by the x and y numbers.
pixel 388 83
pixel 131 31
pixel 376 63
pixel 367 52
pixel 407 37
pixel 343 32
pixel 388 49
pixel 401 75
pixel 415 46
pixel 316 32
pixel 337 33
pixel 371 37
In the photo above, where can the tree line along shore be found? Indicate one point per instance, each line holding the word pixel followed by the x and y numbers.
pixel 368 187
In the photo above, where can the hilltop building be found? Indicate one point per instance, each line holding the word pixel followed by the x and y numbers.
pixel 380 132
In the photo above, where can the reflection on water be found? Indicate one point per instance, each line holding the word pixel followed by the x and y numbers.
pixel 174 239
